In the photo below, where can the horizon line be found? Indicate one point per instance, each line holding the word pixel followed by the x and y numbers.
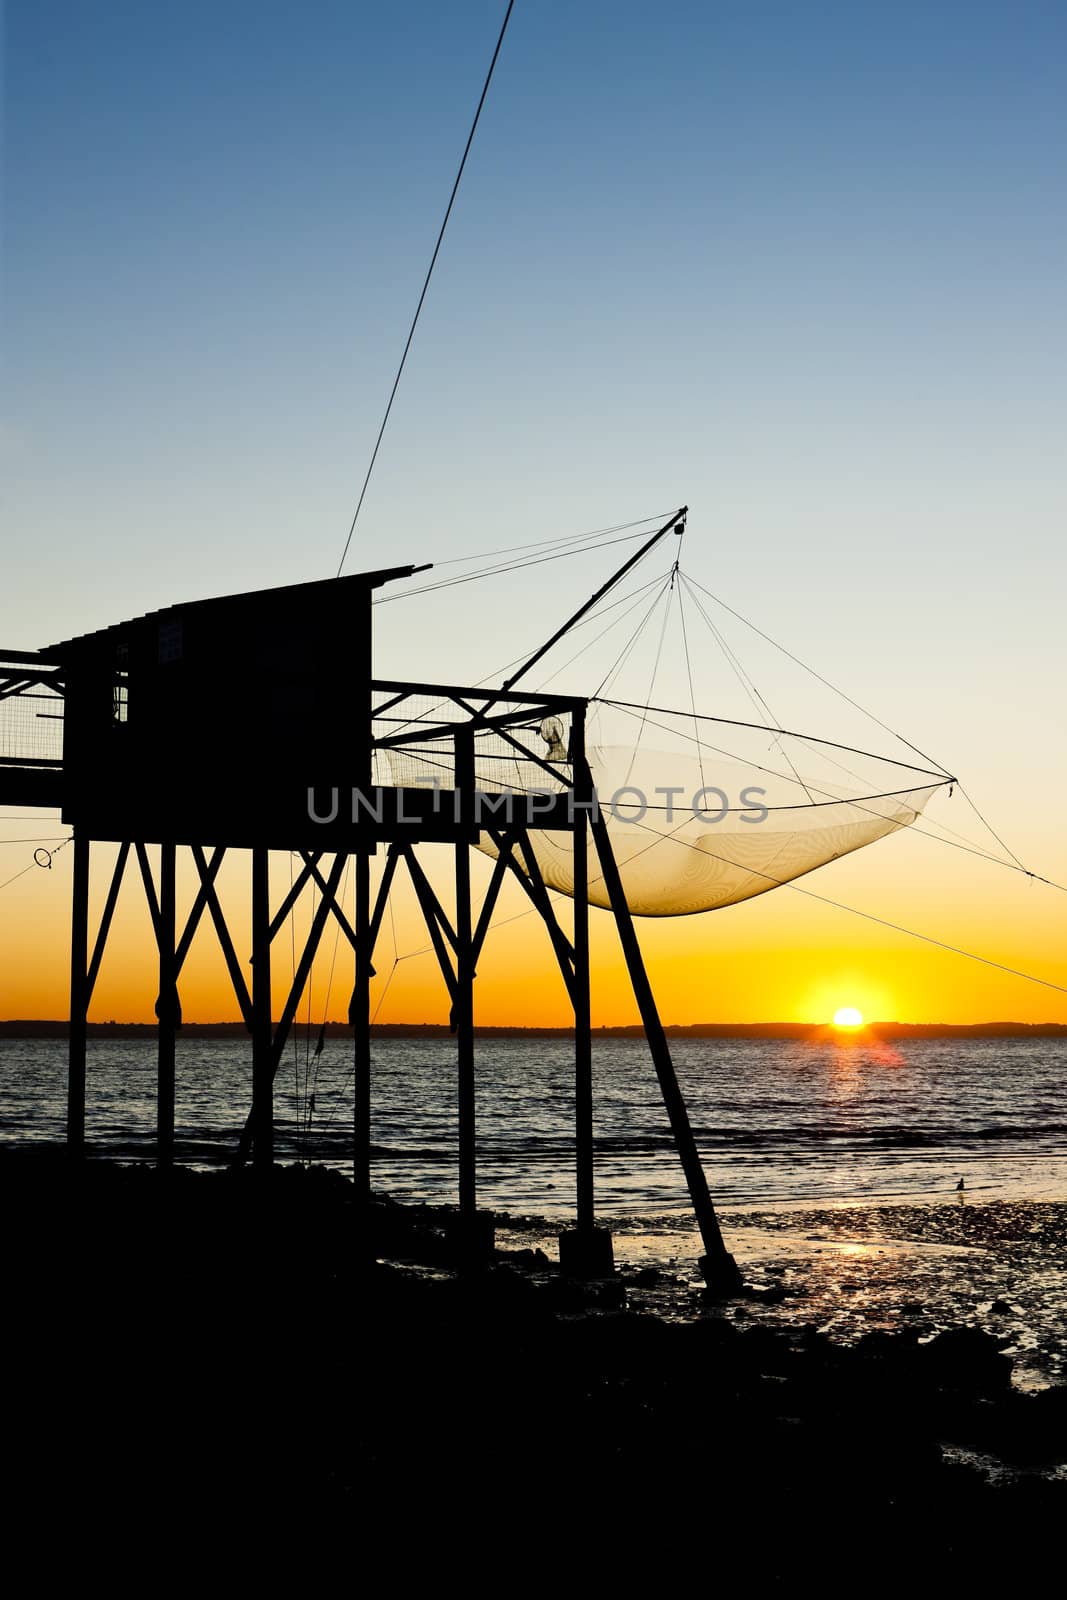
pixel 56 1026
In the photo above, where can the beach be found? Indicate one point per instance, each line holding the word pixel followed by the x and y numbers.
pixel 833 1165
pixel 210 1348
pixel 850 1270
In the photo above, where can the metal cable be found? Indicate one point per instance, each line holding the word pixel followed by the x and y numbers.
pixel 425 286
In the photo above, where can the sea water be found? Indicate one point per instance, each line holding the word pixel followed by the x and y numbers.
pixel 776 1122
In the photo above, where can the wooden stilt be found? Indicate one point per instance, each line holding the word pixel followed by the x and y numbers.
pixel 586 1252
pixel 463 1004
pixel 361 1023
pixel 583 1044
pixel 262 1052
pixel 79 998
pixel 166 1008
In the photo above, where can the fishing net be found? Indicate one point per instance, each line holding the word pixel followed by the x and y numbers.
pixel 716 813
pixel 711 840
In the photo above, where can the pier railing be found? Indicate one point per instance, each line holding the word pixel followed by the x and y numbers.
pixel 31 729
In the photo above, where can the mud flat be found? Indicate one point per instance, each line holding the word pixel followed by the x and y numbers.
pixel 216 1355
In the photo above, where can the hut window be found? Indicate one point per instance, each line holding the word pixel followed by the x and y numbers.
pixel 120 698
pixel 120 686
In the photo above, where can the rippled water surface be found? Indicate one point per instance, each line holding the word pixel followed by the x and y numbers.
pixel 776 1122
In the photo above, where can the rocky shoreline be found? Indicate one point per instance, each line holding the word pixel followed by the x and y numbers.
pixel 219 1346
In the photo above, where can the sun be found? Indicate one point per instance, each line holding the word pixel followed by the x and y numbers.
pixel 848 1017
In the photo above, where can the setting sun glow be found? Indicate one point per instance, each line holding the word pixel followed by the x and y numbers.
pixel 848 1017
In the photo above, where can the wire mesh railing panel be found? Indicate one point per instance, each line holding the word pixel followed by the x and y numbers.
pixel 519 746
pixel 31 727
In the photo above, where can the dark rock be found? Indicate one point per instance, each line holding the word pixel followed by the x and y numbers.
pixel 772 1295
pixel 1028 1429
pixel 967 1360
pixel 531 1260
pixel 766 1351
pixel 611 1294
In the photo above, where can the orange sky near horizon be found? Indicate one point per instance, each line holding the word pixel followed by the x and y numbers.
pixel 778 957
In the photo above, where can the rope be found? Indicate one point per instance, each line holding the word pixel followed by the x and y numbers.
pixel 1018 864
pixel 832 686
pixel 969 848
pixel 733 755
pixel 44 865
pixel 692 691
pixel 544 544
pixel 787 733
pixel 46 838
pixel 321 1044
pixel 627 650
pixel 511 566
pixel 956 843
pixel 655 669
pixel 839 905
pixel 595 616
pixel 747 683
pixel 636 595
pixel 425 286
pixel 997 837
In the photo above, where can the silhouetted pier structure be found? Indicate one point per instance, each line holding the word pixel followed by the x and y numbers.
pixel 253 722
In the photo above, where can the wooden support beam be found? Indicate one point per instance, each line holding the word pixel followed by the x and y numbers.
pixel 533 886
pixel 222 932
pixel 536 881
pixel 197 910
pixel 346 927
pixel 720 1269
pixel 106 919
pixel 424 889
pixel 492 894
pixel 433 737
pixel 304 965
pixel 550 771
pixel 249 1139
pixel 455 691
pixel 149 885
pixel 382 899
pixel 296 889
pixel 429 907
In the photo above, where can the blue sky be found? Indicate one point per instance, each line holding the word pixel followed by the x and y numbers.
pixel 801 266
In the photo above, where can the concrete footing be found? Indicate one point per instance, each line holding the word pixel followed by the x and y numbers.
pixel 472 1238
pixel 587 1253
pixel 721 1274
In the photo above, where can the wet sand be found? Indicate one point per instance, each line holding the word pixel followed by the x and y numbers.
pixel 850 1270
